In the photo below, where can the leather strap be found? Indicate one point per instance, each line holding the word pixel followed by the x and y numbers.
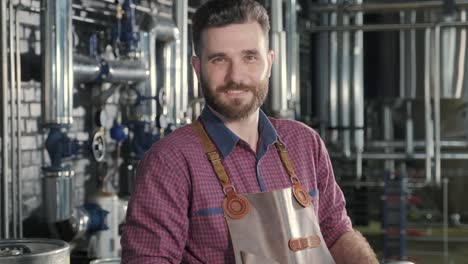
pixel 236 205
pixel 211 152
pixel 301 195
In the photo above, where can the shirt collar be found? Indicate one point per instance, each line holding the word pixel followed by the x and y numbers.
pixel 226 140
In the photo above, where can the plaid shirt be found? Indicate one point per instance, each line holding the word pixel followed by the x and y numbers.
pixel 175 213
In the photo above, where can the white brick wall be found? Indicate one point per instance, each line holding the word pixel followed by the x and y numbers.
pixel 33 155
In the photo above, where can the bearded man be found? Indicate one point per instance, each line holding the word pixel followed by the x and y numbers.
pixel 237 186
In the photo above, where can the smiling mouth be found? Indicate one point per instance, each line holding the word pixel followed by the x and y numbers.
pixel 235 91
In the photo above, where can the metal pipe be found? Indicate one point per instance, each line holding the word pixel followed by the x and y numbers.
pixel 18 123
pixel 461 58
pixel 86 69
pixel 181 17
pixel 358 92
pixel 386 27
pixel 58 62
pixel 445 182
pixel 323 53
pixel 437 87
pixel 4 93
pixel 388 135
pixel 127 71
pixel 417 144
pixel 149 88
pixel 334 85
pixel 408 58
pixel 409 129
pixel 413 62
pixel 427 104
pixel 345 87
pixel 292 56
pixel 14 205
pixel 279 87
pixel 382 7
pixel 402 156
pixel 403 57
pixel 447 42
pixel 166 31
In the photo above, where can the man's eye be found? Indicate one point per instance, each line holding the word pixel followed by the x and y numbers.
pixel 250 58
pixel 219 60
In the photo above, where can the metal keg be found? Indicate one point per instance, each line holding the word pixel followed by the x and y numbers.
pixel 106 261
pixel 34 251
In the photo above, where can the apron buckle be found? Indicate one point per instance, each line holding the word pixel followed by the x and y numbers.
pixel 236 206
pixel 297 244
pixel 301 195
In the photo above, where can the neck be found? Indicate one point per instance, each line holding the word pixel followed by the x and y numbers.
pixel 246 128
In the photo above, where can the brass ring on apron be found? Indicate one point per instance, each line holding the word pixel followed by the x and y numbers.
pixel 236 206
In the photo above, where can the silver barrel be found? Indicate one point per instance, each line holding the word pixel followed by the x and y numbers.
pixel 34 251
pixel 106 261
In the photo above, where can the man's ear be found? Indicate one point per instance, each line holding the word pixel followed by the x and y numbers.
pixel 196 64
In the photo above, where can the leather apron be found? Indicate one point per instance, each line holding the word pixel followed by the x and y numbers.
pixel 269 227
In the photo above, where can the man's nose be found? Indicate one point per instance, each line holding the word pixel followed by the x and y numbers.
pixel 236 72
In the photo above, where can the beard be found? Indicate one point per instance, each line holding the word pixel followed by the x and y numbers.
pixel 235 109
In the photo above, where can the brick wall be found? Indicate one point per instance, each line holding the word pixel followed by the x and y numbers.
pixel 33 136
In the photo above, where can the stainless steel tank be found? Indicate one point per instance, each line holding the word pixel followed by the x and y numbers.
pixel 106 261
pixel 34 251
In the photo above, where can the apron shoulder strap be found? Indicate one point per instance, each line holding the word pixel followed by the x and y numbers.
pixel 234 205
pixel 211 152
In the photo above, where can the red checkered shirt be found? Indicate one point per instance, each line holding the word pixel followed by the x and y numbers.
pixel 175 214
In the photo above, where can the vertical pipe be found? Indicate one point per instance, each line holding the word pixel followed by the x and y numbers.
pixel 446 53
pixel 413 56
pixel 358 92
pixel 445 182
pixel 388 136
pixel 279 74
pixel 412 87
pixel 409 128
pixel 402 56
pixel 345 88
pixel 18 124
pixel 437 87
pixel 292 54
pixel 461 58
pixel 323 75
pixel 58 62
pixel 149 88
pixel 427 103
pixel 181 19
pixel 5 193
pixel 14 207
pixel 169 79
pixel 334 77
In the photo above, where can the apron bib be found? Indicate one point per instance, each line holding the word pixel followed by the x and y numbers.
pixel 269 227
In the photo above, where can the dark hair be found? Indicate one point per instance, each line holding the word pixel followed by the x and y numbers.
pixel 218 13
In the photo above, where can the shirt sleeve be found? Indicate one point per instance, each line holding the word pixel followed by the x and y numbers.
pixel 333 218
pixel 156 227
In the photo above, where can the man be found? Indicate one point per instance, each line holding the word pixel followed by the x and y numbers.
pixel 237 186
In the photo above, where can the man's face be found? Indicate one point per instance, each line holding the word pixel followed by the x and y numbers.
pixel 234 68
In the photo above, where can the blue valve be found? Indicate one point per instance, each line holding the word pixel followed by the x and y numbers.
pixel 60 146
pixel 119 133
pixel 97 217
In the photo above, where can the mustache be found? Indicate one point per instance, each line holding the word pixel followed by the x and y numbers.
pixel 232 86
